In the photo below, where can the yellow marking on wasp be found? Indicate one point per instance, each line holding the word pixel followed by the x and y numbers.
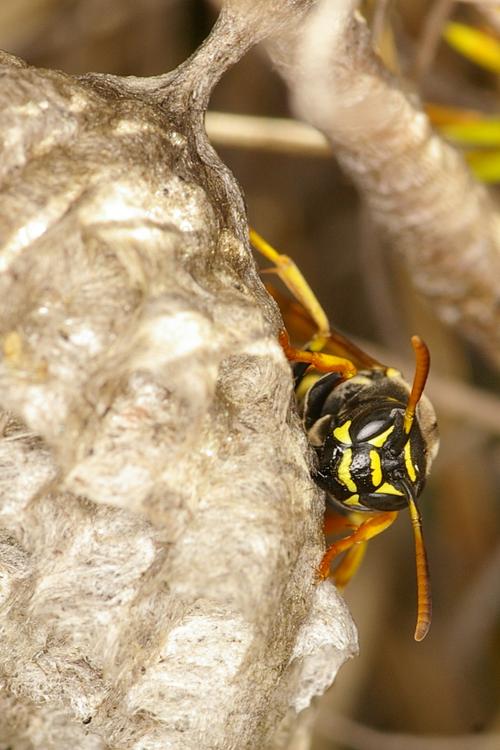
pixel 362 380
pixel 306 384
pixel 344 472
pixel 342 433
pixel 408 462
pixel 379 440
pixel 353 500
pixel 391 372
pixel 388 489
pixel 376 468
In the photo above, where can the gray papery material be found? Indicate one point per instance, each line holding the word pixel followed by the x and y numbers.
pixel 159 530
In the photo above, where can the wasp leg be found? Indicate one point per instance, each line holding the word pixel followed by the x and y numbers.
pixel 293 279
pixel 335 523
pixel 349 565
pixel 319 360
pixel 364 532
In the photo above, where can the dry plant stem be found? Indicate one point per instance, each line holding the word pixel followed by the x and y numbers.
pixel 418 188
pixel 159 529
pixel 279 135
pixel 430 37
pixel 379 19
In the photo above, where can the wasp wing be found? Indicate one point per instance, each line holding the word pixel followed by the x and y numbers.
pixel 301 327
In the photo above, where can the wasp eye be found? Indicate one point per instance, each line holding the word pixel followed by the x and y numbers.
pixel 371 429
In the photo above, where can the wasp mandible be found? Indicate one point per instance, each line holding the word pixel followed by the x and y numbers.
pixel 375 437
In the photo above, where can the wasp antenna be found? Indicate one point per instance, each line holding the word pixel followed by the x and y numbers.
pixel 424 598
pixel 422 364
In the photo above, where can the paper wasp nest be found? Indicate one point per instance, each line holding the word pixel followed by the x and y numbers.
pixel 158 526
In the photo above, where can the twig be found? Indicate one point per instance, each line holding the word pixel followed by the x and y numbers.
pixel 280 135
pixel 431 35
pixel 379 20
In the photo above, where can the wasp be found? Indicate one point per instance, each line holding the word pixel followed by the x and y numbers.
pixel 374 435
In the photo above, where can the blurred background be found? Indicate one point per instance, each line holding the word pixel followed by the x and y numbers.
pixel 302 203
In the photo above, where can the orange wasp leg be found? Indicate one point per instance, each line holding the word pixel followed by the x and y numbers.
pixel 293 279
pixel 319 360
pixel 335 523
pixel 349 565
pixel 364 532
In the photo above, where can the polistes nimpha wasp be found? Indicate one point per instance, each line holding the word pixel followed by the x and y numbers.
pixel 375 437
